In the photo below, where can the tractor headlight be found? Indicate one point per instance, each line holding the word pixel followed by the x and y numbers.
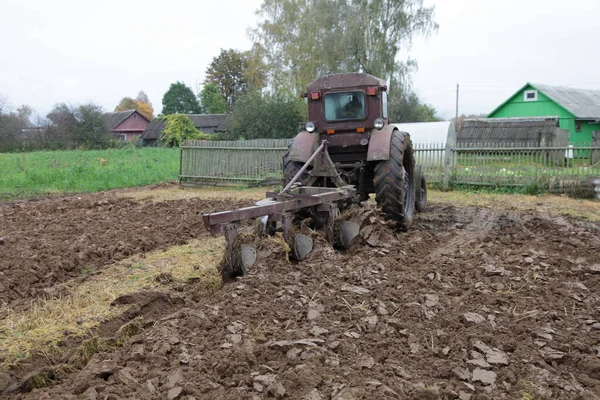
pixel 310 126
pixel 379 123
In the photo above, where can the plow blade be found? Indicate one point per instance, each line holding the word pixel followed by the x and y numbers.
pixel 248 257
pixel 348 230
pixel 303 245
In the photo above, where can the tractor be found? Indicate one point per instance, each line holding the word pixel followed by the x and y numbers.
pixel 346 151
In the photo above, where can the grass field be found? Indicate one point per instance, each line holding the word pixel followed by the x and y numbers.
pixel 39 173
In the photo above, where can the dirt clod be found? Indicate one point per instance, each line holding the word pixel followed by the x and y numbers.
pixel 484 376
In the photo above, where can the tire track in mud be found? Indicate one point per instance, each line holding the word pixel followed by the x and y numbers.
pixel 473 228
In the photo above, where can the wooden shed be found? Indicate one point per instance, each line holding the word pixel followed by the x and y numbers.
pixel 512 132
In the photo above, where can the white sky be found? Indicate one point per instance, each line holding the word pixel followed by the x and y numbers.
pixel 78 51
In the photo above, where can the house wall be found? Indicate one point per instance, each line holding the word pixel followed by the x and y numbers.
pixel 586 134
pixel 129 136
pixel 134 122
pixel 544 106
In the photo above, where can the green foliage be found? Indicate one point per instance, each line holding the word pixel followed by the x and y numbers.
pixel 141 104
pixel 126 103
pixel 257 115
pixel 304 40
pixel 91 132
pixel 180 99
pixel 233 72
pixel 408 108
pixel 44 172
pixel 178 127
pixel 211 100
pixel 81 126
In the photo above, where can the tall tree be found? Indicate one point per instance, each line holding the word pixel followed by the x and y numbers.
pixel 180 99
pixel 305 39
pixel 226 72
pixel 143 97
pixel 11 125
pixel 140 103
pixel 407 107
pixel 211 100
pixel 81 126
pixel 126 103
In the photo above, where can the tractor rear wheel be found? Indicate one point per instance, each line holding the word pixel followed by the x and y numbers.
pixel 291 168
pixel 394 182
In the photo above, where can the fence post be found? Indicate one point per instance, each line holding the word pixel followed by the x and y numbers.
pixel 448 161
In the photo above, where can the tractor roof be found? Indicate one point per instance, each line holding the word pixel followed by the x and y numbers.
pixel 338 81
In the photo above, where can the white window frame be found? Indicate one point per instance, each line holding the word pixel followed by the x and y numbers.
pixel 535 95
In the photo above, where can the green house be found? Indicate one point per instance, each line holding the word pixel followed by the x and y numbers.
pixel 578 110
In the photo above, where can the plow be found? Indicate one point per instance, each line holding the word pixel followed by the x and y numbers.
pixel 346 151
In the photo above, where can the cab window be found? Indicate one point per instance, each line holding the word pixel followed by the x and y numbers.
pixel 384 105
pixel 345 106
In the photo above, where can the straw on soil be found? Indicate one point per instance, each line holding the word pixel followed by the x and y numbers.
pixel 45 324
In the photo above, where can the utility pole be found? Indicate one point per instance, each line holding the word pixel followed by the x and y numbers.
pixel 456 120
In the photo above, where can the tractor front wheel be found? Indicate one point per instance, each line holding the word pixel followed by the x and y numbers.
pixel 394 182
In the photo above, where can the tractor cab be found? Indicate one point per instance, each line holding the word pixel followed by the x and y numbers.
pixel 346 109
pixel 346 103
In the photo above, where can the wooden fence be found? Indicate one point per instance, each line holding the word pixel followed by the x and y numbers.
pixel 445 166
pixel 205 161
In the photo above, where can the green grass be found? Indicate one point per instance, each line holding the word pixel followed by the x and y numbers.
pixel 45 172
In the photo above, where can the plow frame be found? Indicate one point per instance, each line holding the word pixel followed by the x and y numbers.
pixel 281 206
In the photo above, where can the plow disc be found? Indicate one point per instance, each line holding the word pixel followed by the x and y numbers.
pixel 348 230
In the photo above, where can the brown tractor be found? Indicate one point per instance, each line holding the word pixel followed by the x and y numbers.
pixel 347 150
pixel 350 112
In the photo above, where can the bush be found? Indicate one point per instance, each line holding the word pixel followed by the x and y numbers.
pixel 178 127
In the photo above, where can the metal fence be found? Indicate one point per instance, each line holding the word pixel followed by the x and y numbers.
pixel 492 165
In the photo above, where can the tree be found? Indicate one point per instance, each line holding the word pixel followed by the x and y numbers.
pixel 143 97
pixel 12 124
pixel 141 104
pixel 81 126
pixel 180 99
pixel 211 101
pixel 259 115
pixel 91 132
pixel 226 72
pixel 178 127
pixel 304 40
pixel 408 108
pixel 126 103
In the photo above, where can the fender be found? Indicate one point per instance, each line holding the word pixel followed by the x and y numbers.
pixel 303 146
pixel 379 143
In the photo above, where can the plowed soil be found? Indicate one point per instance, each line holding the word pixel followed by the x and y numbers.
pixel 471 303
pixel 45 242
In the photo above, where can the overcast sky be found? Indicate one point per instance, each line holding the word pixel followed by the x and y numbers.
pixel 79 51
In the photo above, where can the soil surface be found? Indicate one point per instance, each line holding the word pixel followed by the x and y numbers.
pixel 471 303
pixel 45 242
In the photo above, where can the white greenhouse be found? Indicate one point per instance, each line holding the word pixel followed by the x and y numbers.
pixel 429 138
